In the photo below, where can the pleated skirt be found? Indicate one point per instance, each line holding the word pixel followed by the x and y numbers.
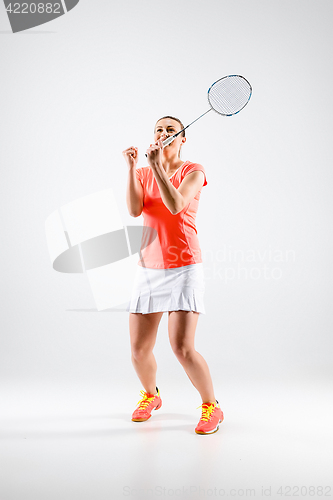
pixel 161 290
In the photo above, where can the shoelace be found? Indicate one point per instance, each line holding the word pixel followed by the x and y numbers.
pixel 207 410
pixel 144 402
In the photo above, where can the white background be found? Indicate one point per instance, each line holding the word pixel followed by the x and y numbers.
pixel 74 94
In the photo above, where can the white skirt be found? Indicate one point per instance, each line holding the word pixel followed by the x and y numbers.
pixel 175 289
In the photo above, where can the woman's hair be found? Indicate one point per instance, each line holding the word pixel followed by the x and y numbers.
pixel 173 118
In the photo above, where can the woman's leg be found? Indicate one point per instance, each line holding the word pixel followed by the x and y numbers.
pixel 182 325
pixel 143 331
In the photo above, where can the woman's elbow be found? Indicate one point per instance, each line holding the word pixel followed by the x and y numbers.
pixel 177 208
pixel 135 214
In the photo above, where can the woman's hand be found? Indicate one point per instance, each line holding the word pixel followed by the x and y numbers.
pixel 131 156
pixel 154 153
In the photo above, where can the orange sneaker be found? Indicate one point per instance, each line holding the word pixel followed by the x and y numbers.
pixel 146 405
pixel 211 416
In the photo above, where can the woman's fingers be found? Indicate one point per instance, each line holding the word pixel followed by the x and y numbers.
pixel 132 151
pixel 153 152
pixel 131 156
pixel 154 147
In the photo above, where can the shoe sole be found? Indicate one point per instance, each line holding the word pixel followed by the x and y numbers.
pixel 145 419
pixel 211 432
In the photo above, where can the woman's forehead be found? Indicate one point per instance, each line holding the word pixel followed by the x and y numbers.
pixel 167 122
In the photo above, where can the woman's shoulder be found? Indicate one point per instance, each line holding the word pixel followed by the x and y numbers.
pixel 190 166
pixel 142 171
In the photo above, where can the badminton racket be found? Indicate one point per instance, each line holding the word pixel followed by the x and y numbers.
pixel 227 97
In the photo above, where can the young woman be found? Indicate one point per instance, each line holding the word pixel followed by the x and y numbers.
pixel 170 274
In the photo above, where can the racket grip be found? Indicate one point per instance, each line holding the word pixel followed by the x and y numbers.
pixel 167 141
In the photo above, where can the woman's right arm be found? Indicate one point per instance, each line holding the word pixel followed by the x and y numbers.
pixel 134 192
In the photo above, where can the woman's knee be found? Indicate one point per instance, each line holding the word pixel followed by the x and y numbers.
pixel 183 352
pixel 143 331
pixel 140 352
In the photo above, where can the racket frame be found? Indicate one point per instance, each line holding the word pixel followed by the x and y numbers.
pixel 169 140
pixel 223 78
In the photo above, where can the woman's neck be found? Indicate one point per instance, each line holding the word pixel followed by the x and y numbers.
pixel 171 164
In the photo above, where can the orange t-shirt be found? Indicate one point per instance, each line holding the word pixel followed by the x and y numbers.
pixel 176 244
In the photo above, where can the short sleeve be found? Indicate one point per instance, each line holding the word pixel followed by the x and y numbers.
pixel 139 176
pixel 192 167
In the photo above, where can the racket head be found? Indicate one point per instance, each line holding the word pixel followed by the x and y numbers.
pixel 229 95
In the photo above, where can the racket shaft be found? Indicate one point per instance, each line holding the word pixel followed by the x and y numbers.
pixel 169 140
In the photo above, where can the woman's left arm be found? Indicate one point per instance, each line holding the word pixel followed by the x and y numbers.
pixel 175 199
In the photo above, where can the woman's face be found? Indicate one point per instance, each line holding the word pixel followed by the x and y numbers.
pixel 165 128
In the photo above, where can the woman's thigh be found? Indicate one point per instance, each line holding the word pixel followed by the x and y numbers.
pixel 143 330
pixel 182 326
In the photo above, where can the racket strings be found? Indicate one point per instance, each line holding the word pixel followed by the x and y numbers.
pixel 229 95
